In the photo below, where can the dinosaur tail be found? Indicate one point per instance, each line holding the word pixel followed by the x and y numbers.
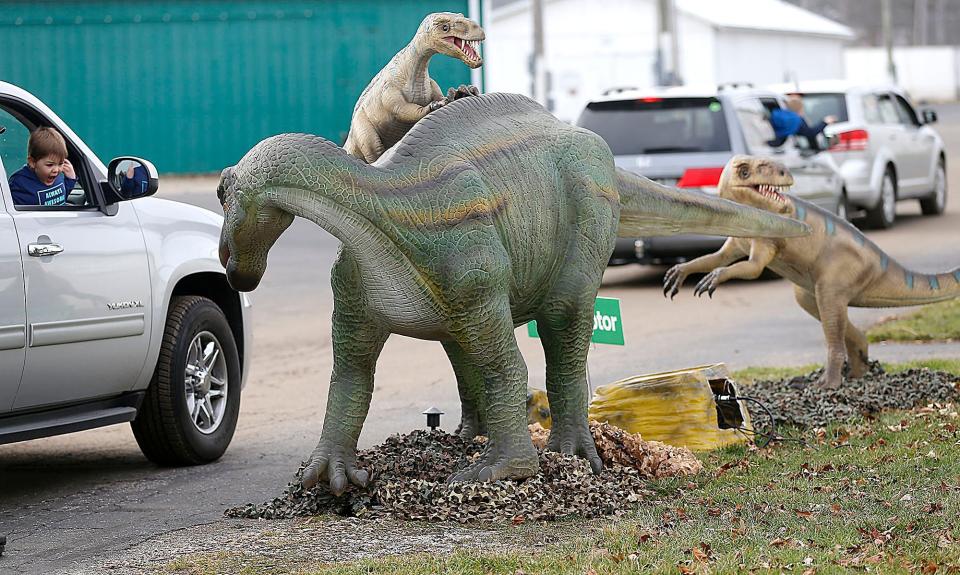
pixel 650 209
pixel 899 286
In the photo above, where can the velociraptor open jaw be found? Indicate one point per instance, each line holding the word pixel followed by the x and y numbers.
pixel 469 48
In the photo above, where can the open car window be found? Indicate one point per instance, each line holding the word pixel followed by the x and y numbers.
pixel 19 123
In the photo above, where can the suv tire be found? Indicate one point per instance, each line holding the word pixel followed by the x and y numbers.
pixel 197 352
pixel 936 202
pixel 884 213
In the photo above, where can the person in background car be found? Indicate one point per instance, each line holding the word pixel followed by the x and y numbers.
pixel 48 177
pixel 790 121
pixel 134 181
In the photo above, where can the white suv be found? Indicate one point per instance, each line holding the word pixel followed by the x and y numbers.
pixel 886 151
pixel 114 310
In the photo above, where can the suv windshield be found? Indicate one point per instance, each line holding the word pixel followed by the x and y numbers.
pixel 659 126
pixel 816 107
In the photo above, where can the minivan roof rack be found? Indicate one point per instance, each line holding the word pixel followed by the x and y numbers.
pixel 733 85
pixel 618 89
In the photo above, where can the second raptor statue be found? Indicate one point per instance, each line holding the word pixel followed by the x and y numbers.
pixel 489 213
pixel 834 267
pixel 402 92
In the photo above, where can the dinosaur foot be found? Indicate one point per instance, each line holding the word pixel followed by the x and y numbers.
pixel 575 439
pixel 495 463
pixel 831 383
pixel 336 464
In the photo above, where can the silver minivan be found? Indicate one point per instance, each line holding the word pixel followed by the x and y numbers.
pixel 684 136
pixel 885 149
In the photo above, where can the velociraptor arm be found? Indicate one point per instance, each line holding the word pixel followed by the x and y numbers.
pixel 675 276
pixel 761 254
pixel 405 111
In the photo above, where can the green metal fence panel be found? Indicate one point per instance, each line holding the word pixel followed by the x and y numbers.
pixel 192 86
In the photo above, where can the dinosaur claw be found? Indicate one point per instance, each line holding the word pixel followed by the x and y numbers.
pixel 338 485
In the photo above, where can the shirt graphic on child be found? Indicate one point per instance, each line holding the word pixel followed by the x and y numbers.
pixel 28 190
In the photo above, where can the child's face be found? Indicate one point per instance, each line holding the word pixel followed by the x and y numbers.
pixel 47 168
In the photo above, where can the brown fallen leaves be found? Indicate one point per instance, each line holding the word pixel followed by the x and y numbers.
pixel 652 459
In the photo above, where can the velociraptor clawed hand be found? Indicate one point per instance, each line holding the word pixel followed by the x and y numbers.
pixel 673 279
pixel 708 284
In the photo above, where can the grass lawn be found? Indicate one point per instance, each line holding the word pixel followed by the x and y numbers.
pixel 935 322
pixel 878 496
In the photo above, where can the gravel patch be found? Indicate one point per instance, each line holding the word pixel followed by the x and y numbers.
pixel 409 481
pixel 798 401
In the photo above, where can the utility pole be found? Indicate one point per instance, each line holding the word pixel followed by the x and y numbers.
pixel 538 67
pixel 668 46
pixel 920 24
pixel 888 39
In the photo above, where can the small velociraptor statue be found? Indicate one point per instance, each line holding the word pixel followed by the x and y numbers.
pixel 489 213
pixel 402 92
pixel 834 267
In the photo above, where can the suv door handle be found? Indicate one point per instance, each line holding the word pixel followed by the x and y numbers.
pixel 40 250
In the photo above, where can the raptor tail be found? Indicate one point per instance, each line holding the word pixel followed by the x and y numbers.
pixel 899 287
pixel 650 209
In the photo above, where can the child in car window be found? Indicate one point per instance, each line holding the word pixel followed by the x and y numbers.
pixel 790 121
pixel 134 181
pixel 48 177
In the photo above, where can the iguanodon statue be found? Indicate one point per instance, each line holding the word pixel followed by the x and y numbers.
pixel 402 92
pixel 834 267
pixel 487 214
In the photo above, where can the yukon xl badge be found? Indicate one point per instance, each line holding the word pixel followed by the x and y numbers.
pixel 125 304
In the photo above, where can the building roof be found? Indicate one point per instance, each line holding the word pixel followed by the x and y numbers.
pixel 766 15
pixel 760 15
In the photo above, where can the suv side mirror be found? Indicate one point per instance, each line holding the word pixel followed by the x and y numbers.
pixel 131 177
pixel 929 116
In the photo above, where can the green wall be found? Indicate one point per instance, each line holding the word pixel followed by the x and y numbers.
pixel 192 86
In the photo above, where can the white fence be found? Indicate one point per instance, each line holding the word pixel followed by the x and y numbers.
pixel 928 73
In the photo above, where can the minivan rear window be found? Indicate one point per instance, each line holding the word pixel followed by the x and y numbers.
pixel 659 126
pixel 816 107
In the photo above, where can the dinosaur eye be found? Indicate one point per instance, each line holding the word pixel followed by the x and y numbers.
pixel 446 27
pixel 744 172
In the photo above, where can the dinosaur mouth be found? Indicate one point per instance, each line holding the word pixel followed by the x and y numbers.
pixel 467 47
pixel 774 193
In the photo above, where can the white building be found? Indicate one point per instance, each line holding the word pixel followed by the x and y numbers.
pixel 597 44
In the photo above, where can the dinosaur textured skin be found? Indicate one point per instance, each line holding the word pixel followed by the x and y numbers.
pixel 489 213
pixel 403 92
pixel 834 267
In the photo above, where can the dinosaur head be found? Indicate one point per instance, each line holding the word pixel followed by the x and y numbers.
pixel 454 35
pixel 250 229
pixel 757 182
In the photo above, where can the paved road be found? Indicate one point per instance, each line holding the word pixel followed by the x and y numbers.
pixel 70 503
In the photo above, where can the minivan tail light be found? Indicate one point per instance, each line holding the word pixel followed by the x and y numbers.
pixel 850 141
pixel 700 178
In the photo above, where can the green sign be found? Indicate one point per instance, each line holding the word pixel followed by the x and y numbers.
pixel 607 323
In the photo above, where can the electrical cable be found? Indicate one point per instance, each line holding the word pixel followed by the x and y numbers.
pixel 772 435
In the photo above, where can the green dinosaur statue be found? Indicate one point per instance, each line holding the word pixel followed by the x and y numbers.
pixel 403 92
pixel 489 213
pixel 833 268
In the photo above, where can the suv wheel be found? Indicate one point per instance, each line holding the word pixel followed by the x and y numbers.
pixel 936 202
pixel 190 411
pixel 885 212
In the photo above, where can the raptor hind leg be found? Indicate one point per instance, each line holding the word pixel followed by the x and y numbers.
pixel 363 141
pixel 473 416
pixel 854 340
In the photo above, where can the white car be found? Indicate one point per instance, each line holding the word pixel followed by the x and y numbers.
pixel 887 152
pixel 114 310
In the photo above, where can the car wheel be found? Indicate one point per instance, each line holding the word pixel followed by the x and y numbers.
pixel 190 411
pixel 885 212
pixel 843 210
pixel 936 203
